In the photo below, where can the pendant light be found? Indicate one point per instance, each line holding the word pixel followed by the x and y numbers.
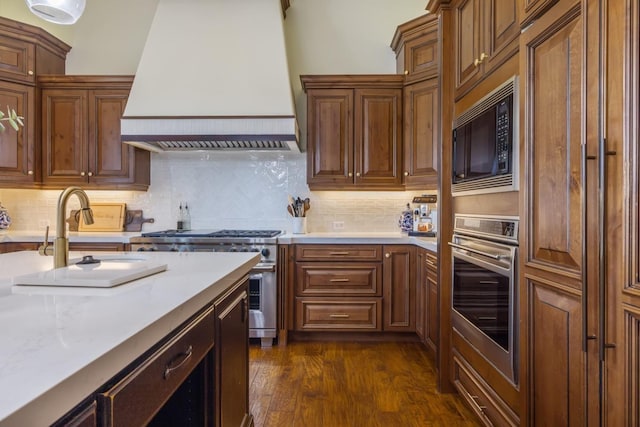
pixel 64 12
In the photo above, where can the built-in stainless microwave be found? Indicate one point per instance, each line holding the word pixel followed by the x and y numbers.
pixel 485 144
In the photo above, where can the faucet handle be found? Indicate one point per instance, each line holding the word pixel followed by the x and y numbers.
pixel 45 249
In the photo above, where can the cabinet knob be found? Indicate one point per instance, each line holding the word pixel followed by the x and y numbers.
pixel 483 56
pixel 350 174
pixel 406 173
pixel 357 173
pixel 387 255
pixel 476 62
pixel 406 72
pixel 82 174
pixel 90 174
pixel 29 172
pixel 30 72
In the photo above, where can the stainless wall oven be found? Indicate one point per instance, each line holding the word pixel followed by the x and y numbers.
pixel 484 298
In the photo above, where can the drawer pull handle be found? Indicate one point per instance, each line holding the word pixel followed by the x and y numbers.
pixel 339 316
pixel 339 280
pixel 487 318
pixel 178 361
pixel 338 253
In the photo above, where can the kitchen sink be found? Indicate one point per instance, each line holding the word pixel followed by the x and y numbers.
pixel 103 272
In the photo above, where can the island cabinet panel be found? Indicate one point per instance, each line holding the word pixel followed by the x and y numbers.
pixel 485 36
pixel 136 398
pixel 399 290
pixel 81 134
pixel 354 131
pixel 232 359
pixel 86 415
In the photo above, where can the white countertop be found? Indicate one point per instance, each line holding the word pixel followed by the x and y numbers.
pixel 57 346
pixel 74 236
pixel 391 238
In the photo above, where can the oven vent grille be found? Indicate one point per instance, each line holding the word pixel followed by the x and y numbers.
pixel 493 184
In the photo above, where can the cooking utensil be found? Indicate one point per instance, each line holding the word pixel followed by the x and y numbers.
pixel 290 210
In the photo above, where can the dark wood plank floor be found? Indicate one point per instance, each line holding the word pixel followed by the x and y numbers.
pixel 335 384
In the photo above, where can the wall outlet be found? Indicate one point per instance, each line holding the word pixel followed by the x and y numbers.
pixel 338 225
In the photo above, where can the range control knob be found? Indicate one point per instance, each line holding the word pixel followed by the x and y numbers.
pixel 232 249
pixel 265 252
pixel 141 249
pixel 255 250
pixel 245 250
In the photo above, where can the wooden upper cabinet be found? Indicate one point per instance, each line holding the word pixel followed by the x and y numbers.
pixel 27 51
pixel 330 136
pixel 485 36
pixel 354 132
pixel 81 134
pixel 417 49
pixel 421 134
pixel 532 9
pixel 378 133
pixel 17 148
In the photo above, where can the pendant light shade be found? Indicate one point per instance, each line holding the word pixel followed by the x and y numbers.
pixel 64 12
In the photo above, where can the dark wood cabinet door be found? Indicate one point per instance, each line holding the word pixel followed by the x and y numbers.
pixel 17 60
pixel 421 134
pixel 330 137
pixel 232 359
pixel 554 285
pixel 557 370
pixel 501 32
pixel 421 55
pixel 398 287
pixel 377 137
pixel 468 44
pixel 17 148
pixel 110 161
pixel 553 86
pixel 64 137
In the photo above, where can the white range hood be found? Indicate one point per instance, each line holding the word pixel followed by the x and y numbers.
pixel 213 75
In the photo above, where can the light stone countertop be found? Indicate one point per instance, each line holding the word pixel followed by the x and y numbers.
pixel 74 236
pixel 392 238
pixel 58 345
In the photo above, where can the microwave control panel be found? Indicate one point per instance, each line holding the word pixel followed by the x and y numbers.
pixel 502 136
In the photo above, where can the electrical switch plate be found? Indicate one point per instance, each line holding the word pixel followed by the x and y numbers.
pixel 338 225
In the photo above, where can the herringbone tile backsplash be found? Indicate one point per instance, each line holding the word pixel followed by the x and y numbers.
pixel 226 190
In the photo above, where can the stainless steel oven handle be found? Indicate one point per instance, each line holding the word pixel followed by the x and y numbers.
pixel 475 251
pixel 264 268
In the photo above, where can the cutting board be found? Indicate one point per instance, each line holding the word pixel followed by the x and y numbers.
pixel 106 217
pixel 133 220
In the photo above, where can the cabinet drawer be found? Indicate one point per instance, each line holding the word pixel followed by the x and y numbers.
pixel 341 252
pixel 137 397
pixel 344 314
pixel 331 279
pixel 480 397
pixel 431 260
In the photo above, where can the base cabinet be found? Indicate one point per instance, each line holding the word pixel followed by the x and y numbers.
pixel 197 376
pixel 354 288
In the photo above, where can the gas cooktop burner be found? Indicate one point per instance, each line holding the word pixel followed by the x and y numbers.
pixel 214 233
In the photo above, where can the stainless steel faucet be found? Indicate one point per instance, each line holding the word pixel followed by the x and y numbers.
pixel 61 243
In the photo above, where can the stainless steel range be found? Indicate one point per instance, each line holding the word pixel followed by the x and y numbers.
pixel 262 280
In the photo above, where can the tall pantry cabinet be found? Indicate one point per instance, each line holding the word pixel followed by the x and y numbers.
pixel 580 280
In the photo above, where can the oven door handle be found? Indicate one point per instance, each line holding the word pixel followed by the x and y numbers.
pixel 476 251
pixel 264 268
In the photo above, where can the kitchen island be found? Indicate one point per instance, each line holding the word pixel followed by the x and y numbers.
pixel 61 345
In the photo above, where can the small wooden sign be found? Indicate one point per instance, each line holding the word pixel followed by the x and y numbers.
pixel 106 217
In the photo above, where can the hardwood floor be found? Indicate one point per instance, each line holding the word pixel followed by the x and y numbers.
pixel 346 384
